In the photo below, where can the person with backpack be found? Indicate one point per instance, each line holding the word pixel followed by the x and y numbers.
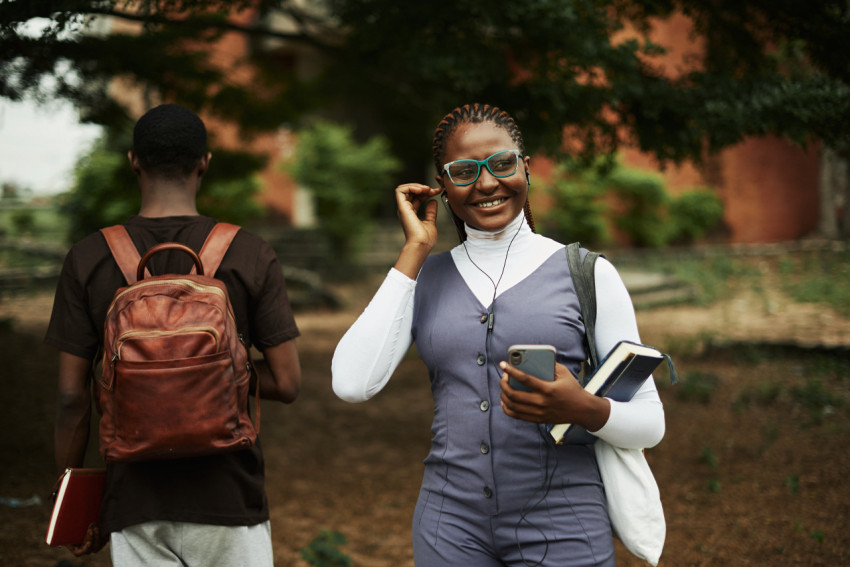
pixel 496 491
pixel 206 507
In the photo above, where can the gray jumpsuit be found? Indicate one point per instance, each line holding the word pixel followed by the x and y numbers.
pixel 495 491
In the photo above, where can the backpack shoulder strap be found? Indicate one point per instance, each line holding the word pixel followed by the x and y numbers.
pixel 584 281
pixel 215 246
pixel 124 251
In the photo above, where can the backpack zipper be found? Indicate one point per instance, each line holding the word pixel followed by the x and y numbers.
pixel 116 353
pixel 179 282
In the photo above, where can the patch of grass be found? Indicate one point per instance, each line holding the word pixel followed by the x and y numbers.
pixel 807 277
pixel 819 278
pixel 793 483
pixel 689 345
pixel 44 223
pixel 751 354
pixel 829 367
pixel 709 457
pixel 761 395
pixel 818 400
pixel 770 432
pixel 323 552
pixel 710 279
pixel 696 386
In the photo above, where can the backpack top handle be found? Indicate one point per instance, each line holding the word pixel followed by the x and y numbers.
pixel 140 271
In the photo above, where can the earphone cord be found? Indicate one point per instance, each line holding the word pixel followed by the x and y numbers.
pixel 491 315
pixel 548 477
pixel 549 473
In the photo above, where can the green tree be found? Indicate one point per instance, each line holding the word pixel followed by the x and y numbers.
pixel 770 66
pixel 348 181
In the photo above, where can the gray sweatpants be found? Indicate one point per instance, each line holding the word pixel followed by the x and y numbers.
pixel 182 544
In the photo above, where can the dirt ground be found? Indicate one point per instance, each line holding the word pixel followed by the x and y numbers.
pixel 753 472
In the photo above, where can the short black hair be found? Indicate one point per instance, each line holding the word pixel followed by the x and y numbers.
pixel 169 140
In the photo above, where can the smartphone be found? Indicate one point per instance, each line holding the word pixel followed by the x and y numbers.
pixel 537 360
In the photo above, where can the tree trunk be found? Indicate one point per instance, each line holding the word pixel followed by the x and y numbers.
pixel 843 201
pixel 832 190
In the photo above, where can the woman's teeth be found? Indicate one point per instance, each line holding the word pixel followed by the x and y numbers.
pixel 488 204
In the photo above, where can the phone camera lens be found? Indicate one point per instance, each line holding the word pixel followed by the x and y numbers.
pixel 516 358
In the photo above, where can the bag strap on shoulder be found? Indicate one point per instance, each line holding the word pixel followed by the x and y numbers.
pixel 584 281
pixel 215 246
pixel 124 251
pixel 127 256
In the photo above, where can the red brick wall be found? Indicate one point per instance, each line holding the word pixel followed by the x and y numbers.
pixel 769 186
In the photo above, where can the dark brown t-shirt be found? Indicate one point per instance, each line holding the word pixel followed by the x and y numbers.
pixel 223 489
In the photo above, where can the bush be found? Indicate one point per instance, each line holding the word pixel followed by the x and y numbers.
pixel 347 180
pixel 23 221
pixel 694 214
pixel 578 212
pixel 641 209
pixel 642 206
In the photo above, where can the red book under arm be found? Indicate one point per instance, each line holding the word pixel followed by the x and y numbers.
pixel 76 507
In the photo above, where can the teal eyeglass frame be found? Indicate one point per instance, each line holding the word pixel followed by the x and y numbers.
pixel 486 163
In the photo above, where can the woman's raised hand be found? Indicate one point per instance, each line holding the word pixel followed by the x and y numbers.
pixel 420 234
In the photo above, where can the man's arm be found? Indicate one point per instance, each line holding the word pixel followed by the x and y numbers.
pixel 73 411
pixel 280 376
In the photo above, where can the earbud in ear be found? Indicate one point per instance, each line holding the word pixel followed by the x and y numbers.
pixel 527 177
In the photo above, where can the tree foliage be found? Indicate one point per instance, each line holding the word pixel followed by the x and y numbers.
pixel 770 66
pixel 346 179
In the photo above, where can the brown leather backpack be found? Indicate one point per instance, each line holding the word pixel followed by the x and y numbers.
pixel 176 375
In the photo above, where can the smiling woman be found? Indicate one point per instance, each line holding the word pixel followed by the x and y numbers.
pixel 478 196
pixel 495 491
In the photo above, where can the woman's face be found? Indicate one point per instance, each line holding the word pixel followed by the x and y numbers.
pixel 490 203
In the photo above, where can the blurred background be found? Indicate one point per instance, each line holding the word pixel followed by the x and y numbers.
pixel 703 146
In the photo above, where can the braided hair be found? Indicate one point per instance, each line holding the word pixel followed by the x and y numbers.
pixel 475 114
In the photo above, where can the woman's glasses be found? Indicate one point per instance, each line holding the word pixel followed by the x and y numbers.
pixel 466 171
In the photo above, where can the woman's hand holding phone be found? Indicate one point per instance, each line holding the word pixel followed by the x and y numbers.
pixel 561 400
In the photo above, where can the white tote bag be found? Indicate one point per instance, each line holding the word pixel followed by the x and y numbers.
pixel 634 502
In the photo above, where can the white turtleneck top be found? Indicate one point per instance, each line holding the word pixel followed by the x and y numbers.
pixel 371 350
